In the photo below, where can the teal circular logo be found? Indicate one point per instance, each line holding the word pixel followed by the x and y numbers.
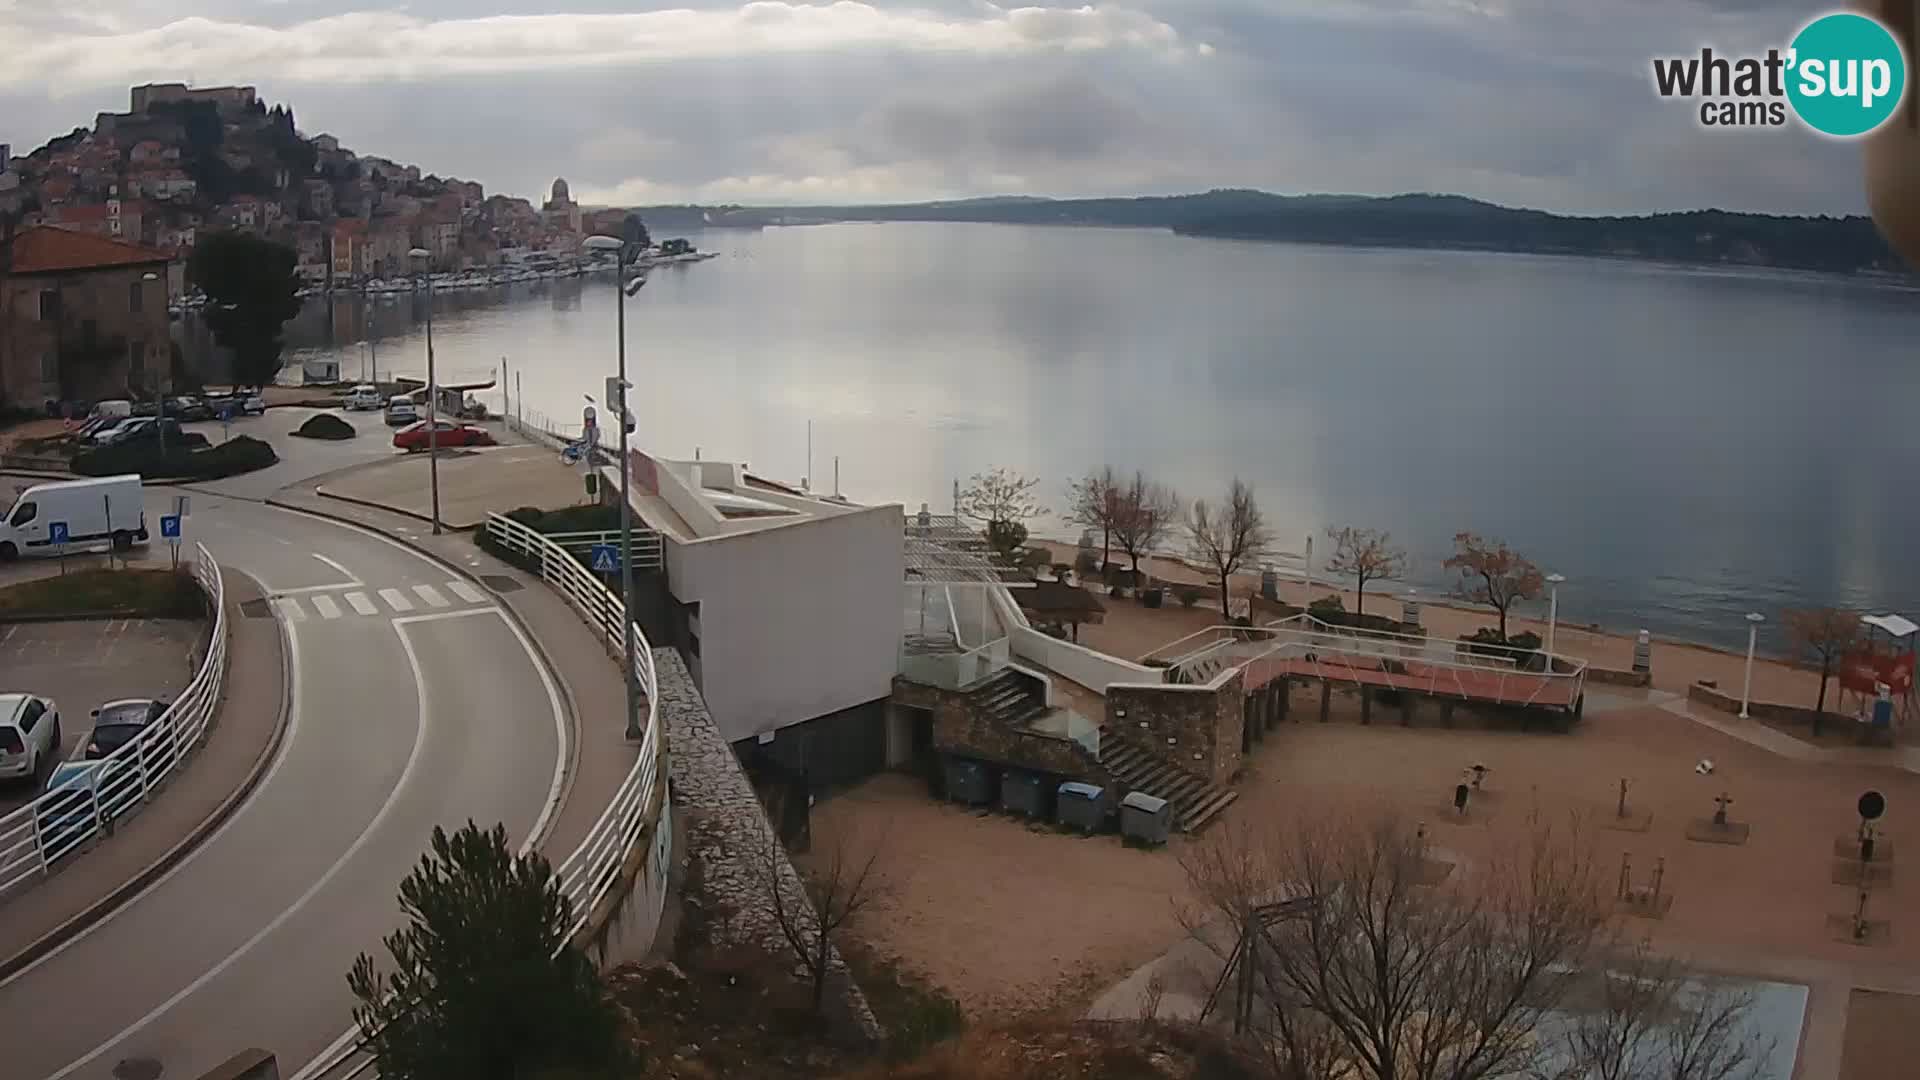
pixel 1847 74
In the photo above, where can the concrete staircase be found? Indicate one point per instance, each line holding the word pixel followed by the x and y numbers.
pixel 1195 801
pixel 1010 698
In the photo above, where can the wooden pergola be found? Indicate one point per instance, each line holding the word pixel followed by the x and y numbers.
pixel 1062 605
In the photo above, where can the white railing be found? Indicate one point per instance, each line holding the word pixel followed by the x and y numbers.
pixel 590 873
pixel 649 553
pixel 61 822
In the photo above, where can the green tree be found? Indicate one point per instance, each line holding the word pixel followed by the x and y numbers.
pixel 252 290
pixel 486 984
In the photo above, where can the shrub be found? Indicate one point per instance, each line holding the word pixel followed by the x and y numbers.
pixel 325 426
pixel 241 454
pixel 1187 595
pixel 1330 604
pixel 1086 563
pixel 152 593
pixel 1005 537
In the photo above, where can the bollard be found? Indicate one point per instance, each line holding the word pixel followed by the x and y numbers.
pixel 1643 654
pixel 1410 609
pixel 1269 584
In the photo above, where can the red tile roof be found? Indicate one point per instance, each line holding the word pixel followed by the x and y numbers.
pixel 48 249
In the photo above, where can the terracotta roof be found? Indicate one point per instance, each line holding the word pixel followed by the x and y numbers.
pixel 48 249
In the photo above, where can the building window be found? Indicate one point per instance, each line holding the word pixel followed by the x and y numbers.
pixel 49 306
pixel 136 356
pixel 135 297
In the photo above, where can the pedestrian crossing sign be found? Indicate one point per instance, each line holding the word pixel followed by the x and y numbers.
pixel 606 559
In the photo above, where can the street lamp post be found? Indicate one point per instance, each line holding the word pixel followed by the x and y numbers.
pixel 1754 619
pixel 1554 581
pixel 421 255
pixel 159 402
pixel 623 289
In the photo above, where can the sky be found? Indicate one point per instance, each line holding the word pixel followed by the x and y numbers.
pixel 1540 103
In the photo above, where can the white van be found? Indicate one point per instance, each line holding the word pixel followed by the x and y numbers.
pixel 102 511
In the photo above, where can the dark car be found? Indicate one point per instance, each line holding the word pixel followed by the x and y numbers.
pixel 188 407
pixel 150 433
pixel 118 723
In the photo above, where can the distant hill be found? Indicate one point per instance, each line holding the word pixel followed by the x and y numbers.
pixel 1710 237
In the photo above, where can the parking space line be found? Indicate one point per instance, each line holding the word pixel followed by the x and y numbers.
pixel 289 609
pixel 431 595
pixel 325 606
pixel 467 592
pixel 396 599
pixel 361 605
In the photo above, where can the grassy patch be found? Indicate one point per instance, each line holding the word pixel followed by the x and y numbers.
pixel 916 1013
pixel 160 593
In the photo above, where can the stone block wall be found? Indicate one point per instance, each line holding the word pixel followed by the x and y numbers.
pixel 959 729
pixel 1204 723
pixel 727 830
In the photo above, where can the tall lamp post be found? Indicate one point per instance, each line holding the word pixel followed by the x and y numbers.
pixel 1754 619
pixel 617 397
pixel 1554 581
pixel 421 256
pixel 159 402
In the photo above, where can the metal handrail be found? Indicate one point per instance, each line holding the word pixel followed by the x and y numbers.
pixel 58 823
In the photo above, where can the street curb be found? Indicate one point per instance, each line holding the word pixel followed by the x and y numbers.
pixel 111 902
pixel 371 505
pixel 506 607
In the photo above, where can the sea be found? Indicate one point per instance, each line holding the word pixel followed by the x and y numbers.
pixel 1684 445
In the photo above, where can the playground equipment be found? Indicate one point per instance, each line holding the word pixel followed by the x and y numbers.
pixel 1876 677
pixel 1241 969
pixel 1649 901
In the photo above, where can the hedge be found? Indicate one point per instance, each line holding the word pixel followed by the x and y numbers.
pixel 152 593
pixel 325 426
pixel 241 454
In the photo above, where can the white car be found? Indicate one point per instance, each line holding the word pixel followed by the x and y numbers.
pixel 402 410
pixel 29 735
pixel 364 398
pixel 253 403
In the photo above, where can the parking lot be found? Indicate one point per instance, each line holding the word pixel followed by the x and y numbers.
pixel 83 664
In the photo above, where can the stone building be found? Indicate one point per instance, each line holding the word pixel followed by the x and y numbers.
pixel 79 317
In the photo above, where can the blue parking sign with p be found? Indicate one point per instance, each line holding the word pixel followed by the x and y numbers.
pixel 170 526
pixel 57 532
pixel 606 558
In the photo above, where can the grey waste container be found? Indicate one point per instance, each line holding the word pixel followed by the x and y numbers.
pixel 1081 806
pixel 1023 793
pixel 969 782
pixel 1145 818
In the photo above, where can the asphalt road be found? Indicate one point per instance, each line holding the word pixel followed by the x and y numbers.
pixel 416 703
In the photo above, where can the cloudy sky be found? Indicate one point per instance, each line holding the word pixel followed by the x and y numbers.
pixel 1544 103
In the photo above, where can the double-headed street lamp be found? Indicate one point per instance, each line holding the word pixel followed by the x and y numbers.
pixel 421 256
pixel 617 397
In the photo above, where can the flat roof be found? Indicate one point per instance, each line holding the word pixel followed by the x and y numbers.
pixel 945 550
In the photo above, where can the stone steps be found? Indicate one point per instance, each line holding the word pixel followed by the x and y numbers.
pixel 1195 802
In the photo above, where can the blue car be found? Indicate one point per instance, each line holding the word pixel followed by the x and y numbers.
pixel 65 815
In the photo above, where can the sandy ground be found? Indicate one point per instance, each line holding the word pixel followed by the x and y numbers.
pixel 1009 918
pixel 1131 631
pixel 1883 1036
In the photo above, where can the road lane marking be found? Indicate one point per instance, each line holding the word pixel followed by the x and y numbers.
pixel 396 599
pixel 289 609
pixel 362 605
pixel 386 808
pixel 304 589
pixel 431 595
pixel 467 592
pixel 325 606
pixel 344 572
pixel 439 615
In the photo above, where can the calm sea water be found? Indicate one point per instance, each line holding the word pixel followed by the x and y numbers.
pixel 1683 445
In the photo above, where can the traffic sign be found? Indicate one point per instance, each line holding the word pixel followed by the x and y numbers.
pixel 57 532
pixel 606 558
pixel 170 526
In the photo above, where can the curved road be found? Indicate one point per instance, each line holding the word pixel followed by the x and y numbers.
pixel 415 703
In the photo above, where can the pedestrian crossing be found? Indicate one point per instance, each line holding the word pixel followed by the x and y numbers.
pixel 366 602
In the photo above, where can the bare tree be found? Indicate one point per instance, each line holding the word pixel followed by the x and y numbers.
pixel 1144 513
pixel 811 909
pixel 1228 536
pixel 1091 503
pixel 1493 575
pixel 1385 977
pixel 1828 634
pixel 1002 500
pixel 1646 1017
pixel 1365 555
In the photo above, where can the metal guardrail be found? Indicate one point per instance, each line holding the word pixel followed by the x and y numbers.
pixel 587 876
pixel 61 822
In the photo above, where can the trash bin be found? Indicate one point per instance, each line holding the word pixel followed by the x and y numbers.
pixel 969 782
pixel 1023 793
pixel 1081 806
pixel 1145 818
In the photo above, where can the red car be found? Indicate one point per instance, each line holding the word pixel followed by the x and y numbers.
pixel 414 436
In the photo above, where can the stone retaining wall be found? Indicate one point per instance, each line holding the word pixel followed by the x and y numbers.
pixel 1611 677
pixel 1199 728
pixel 728 832
pixel 1761 710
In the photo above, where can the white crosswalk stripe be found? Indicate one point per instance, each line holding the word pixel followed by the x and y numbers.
pixel 290 609
pixel 431 595
pixel 324 604
pixel 396 599
pixel 467 592
pixel 361 605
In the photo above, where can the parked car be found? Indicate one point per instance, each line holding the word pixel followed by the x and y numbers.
pixel 101 509
pixel 118 723
pixel 113 432
pixel 69 812
pixel 188 407
pixel 415 436
pixel 147 429
pixel 253 403
pixel 364 398
pixel 401 410
pixel 29 735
